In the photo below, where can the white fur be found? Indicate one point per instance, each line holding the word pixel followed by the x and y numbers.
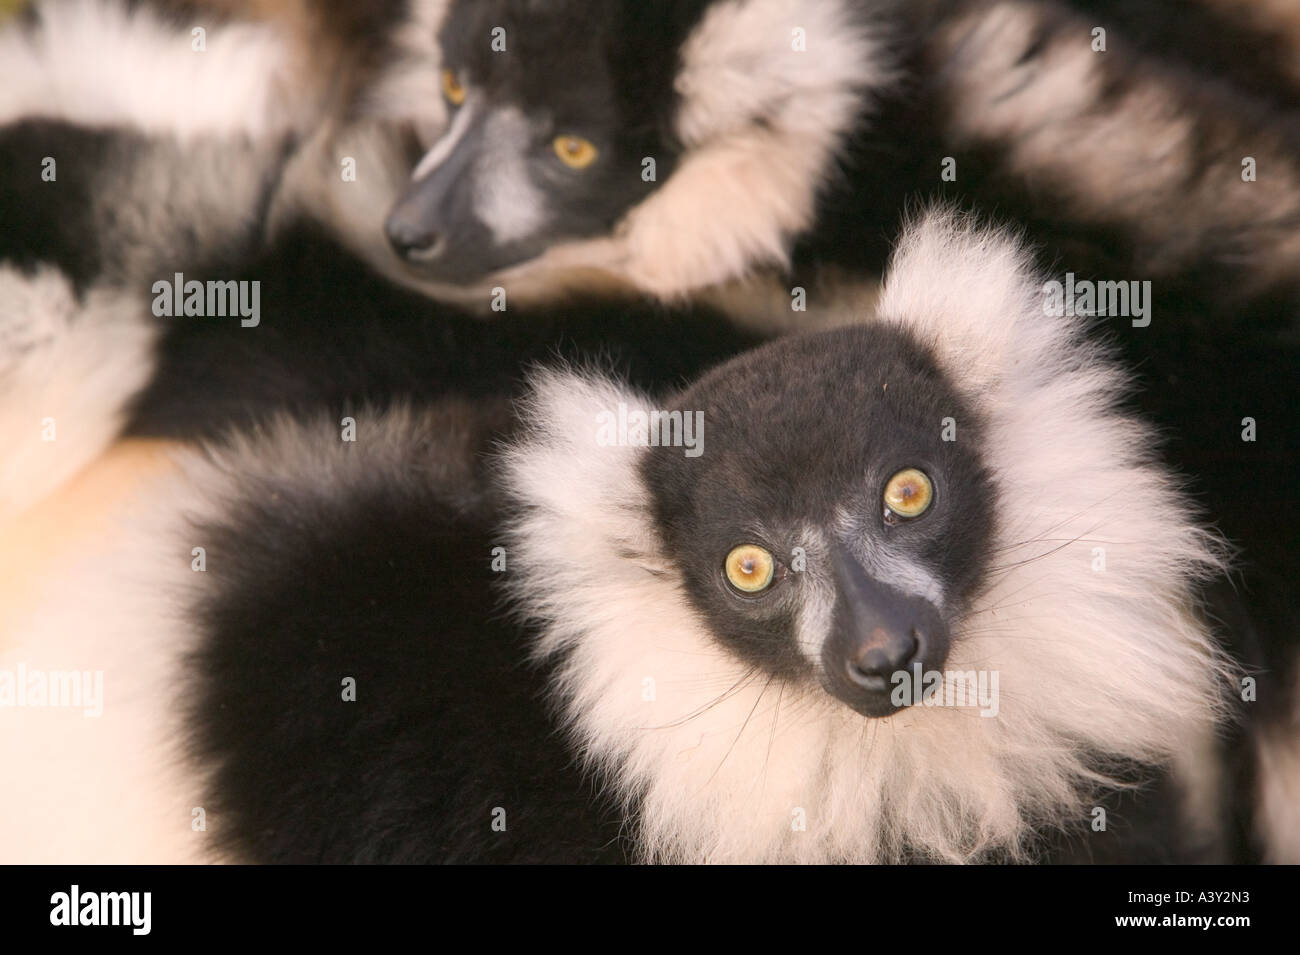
pixel 723 760
pixel 884 563
pixel 740 66
pixel 67 366
pixel 113 788
pixel 817 606
pixel 446 143
pixel 505 199
pixel 93 62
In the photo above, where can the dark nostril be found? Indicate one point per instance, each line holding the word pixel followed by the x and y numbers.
pixel 413 242
pixel 881 657
pixel 873 680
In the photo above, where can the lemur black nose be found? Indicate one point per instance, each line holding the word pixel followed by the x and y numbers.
pixel 882 654
pixel 413 240
pixel 879 638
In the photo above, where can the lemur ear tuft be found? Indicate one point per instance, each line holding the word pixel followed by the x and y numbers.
pixel 564 405
pixel 563 458
pixel 973 294
pixel 578 504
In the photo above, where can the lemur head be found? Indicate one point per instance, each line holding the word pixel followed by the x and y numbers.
pixel 732 596
pixel 672 143
pixel 828 530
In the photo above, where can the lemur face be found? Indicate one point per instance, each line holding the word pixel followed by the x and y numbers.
pixel 819 552
pixel 554 110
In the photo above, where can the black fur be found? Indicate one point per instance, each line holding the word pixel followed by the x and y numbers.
pixel 334 335
pixel 57 216
pixel 777 459
pixel 384 578
pixel 612 62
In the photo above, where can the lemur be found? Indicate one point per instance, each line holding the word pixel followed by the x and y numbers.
pixel 541 631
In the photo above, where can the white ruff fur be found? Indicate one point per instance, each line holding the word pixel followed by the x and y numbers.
pixel 724 762
pixel 93 62
pixel 67 370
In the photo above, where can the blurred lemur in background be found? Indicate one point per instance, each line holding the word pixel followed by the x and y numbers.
pixel 787 139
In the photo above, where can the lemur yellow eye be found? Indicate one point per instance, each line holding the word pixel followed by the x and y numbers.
pixel 574 151
pixel 750 568
pixel 908 493
pixel 452 89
